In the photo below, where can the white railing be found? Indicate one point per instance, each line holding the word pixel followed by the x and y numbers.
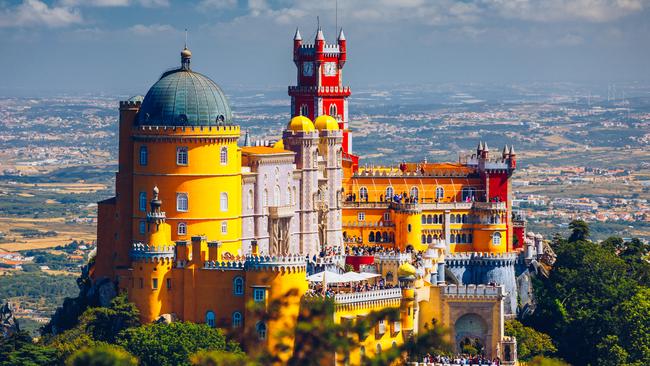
pixel 354 297
pixel 400 257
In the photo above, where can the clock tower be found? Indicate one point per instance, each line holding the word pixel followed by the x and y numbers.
pixel 320 87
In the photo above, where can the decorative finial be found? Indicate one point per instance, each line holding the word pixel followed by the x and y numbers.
pixel 186 55
pixel 297 36
pixel 342 35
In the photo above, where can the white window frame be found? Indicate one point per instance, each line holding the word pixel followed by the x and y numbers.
pixel 224 227
pixel 223 201
pixel 390 192
pixel 181 229
pixel 496 238
pixel 182 156
pixel 333 110
pixel 237 319
pixel 179 196
pixel 363 194
pixel 261 334
pixel 223 155
pixel 361 216
pixel 259 294
pixel 386 216
pixel 304 110
pixel 416 190
pixel 440 192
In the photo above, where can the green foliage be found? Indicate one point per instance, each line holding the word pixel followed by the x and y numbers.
pixel 18 350
pixel 31 267
pixel 40 289
pixel 530 343
pixel 543 361
pixel 579 231
pixel 592 303
pixel 220 358
pixel 172 344
pixel 102 355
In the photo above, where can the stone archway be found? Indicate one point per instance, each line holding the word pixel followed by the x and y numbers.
pixel 471 330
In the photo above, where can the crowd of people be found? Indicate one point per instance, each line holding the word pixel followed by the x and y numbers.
pixel 351 287
pixel 462 359
pixel 369 250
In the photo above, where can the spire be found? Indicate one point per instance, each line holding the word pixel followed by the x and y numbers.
pixel 186 55
pixel 485 147
pixel 319 35
pixel 247 139
pixel 297 36
pixel 505 150
pixel 480 146
pixel 512 150
pixel 342 35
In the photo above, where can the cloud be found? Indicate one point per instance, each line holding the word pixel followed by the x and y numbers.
pixel 147 30
pixel 34 13
pixel 217 4
pixel 116 3
pixel 566 10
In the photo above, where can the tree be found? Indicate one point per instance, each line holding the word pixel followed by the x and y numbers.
pixel 105 323
pixel 543 361
pixel 635 332
pixel 220 358
pixel 19 350
pixel 102 355
pixel 579 231
pixel 172 344
pixel 530 343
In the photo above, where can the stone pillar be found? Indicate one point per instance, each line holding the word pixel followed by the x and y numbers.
pixel 441 273
pixel 447 229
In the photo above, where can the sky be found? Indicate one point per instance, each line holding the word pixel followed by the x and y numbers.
pixel 122 46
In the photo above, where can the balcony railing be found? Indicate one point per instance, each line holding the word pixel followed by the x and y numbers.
pixel 356 297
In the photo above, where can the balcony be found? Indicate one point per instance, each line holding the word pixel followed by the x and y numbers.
pixel 499 206
pixel 366 205
pixel 359 297
pixel 279 212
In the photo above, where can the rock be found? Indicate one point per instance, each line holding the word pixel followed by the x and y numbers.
pixel 8 323
pixel 166 318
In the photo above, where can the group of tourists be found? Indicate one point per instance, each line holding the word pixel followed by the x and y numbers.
pixel 461 359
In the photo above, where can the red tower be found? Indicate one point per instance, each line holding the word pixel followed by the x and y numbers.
pixel 320 87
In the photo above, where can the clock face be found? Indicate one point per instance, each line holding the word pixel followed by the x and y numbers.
pixel 307 68
pixel 330 69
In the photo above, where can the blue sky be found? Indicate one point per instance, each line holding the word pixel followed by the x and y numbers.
pixel 122 46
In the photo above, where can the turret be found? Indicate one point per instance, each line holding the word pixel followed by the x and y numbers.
pixel 297 43
pixel 342 49
pixel 406 275
pixel 319 44
pixel 513 157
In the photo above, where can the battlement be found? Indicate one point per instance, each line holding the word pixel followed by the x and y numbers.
pixel 130 104
pixel 321 90
pixel 395 172
pixel 230 131
pixel 141 251
pixel 155 215
pixel 470 292
pixel 498 259
pixel 253 262
pixel 393 257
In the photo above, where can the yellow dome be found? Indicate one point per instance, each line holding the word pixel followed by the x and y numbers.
pixel 406 270
pixel 300 123
pixel 279 144
pixel 326 122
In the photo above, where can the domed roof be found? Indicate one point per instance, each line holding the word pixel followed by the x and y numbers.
pixel 182 97
pixel 300 123
pixel 406 270
pixel 326 122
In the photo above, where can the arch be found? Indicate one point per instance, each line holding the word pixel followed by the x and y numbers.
pixel 470 327
pixel 390 192
pixel 333 111
pixel 223 155
pixel 363 194
pixel 414 192
pixel 424 219
pixel 463 238
pixel 458 239
pixel 429 219
pixel 470 238
pixel 464 218
pixel 424 239
pixel 452 238
pixel 223 202
pixel 452 219
pixel 250 199
pixel 377 236
pixel 389 276
pixel 304 110
pixel 440 193
pixel 260 328
pixel 276 196
pixel 429 239
pixel 238 286
pixel 181 229
pixel 458 219
pixel 182 203
pixel 371 237
pixel 384 237
pixel 210 319
pixel 236 319
pixel 496 239
pixel 435 219
pixel 441 219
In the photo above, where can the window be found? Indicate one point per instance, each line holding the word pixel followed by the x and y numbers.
pixel 142 201
pixel 496 239
pixel 452 219
pixel 386 216
pixel 169 283
pixel 224 227
pixel 181 156
pixel 468 194
pixel 381 326
pixel 181 202
pixel 141 282
pixel 389 193
pixel 236 319
pixel 304 110
pixel 265 198
pixel 289 196
pixel 333 111
pixel 238 286
pixel 209 319
pixel 261 330
pixel 276 196
pixel 259 294
pixel 144 155
pixel 452 238
pixel 429 219
pixel 250 199
pixel 414 192
pixel 143 227
pixel 363 194
pixel 408 227
pixel 361 216
pixel 223 156
pixel 440 193
pixel 371 237
pixel 181 229
pixel 223 202
pixel 154 283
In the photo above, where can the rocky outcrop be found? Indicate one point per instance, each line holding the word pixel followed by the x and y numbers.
pixel 8 321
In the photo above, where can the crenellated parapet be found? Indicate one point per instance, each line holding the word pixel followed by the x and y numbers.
pixel 151 253
pixel 397 258
pixel 473 292
pixel 481 258
pixel 130 104
pixel 293 263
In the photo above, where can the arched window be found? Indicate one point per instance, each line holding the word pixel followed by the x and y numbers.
pixel 464 219
pixel 238 286
pixel 371 237
pixel 260 327
pixel 276 196
pixel 333 112
pixel 182 204
pixel 440 193
pixel 223 202
pixel 458 219
pixel 265 198
pixel 304 110
pixel 389 193
pixel 470 239
pixel 408 228
pixel 424 219
pixel 468 194
pixel 209 319
pixel 144 155
pixel 250 199
pixel 384 237
pixel 181 229
pixel 452 238
pixel 363 194
pixel 458 239
pixel 429 219
pixel 289 196
pixel 391 237
pixel 424 239
pixel 223 156
pixel 236 319
pixel 435 219
pixel 389 276
pixel 441 219
pixel 452 219
pixel 414 192
pixel 429 239
pixel 224 227
pixel 496 239
pixel 142 201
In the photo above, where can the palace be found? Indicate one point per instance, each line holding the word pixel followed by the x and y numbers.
pixel 200 225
